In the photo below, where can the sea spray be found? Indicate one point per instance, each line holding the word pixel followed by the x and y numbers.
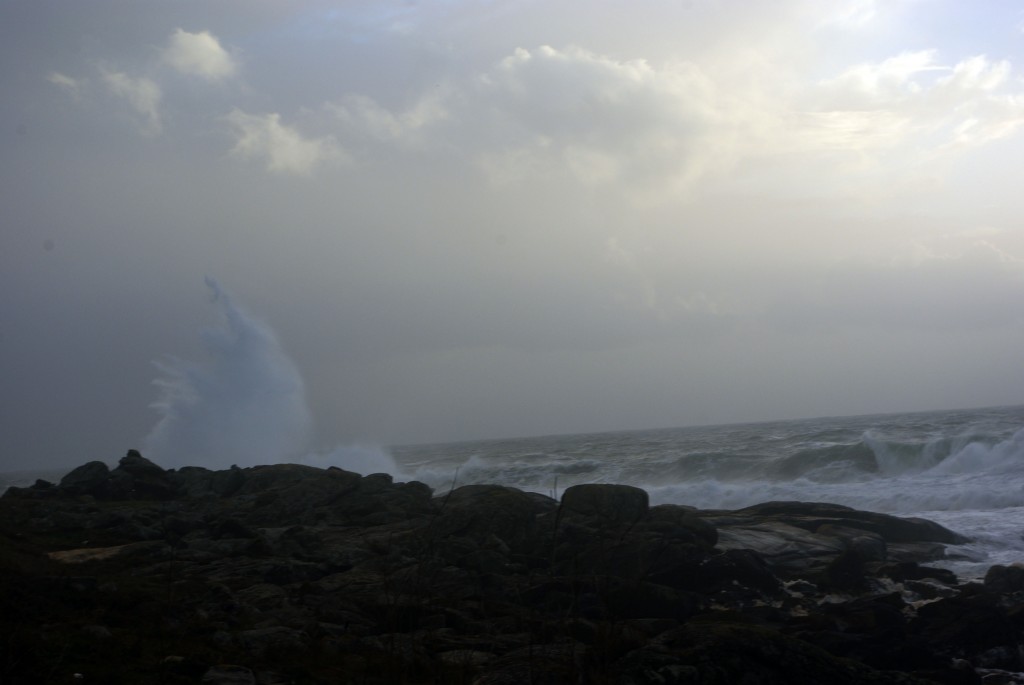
pixel 244 404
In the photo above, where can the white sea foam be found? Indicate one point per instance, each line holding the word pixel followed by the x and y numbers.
pixel 1004 458
pixel 964 469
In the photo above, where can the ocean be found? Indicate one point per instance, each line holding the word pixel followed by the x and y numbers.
pixel 963 469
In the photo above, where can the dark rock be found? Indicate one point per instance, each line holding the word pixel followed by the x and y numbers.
pixel 140 467
pixel 674 519
pixel 966 624
pixel 910 570
pixel 845 573
pixel 1005 579
pixel 376 482
pixel 542 664
pixel 742 567
pixel 229 675
pixel 138 477
pixel 710 652
pixel 489 515
pixel 87 478
pixel 196 481
pixel 812 515
pixel 335 577
pixel 619 504
pixel 274 641
pixel 791 551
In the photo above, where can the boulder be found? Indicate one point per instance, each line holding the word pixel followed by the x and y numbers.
pixel 500 519
pixel 812 515
pixel 614 504
pixel 136 476
pixel 227 674
pixel 139 467
pixel 196 481
pixel 86 479
pixel 1005 579
pixel 681 521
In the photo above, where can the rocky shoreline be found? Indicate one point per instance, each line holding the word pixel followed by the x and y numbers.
pixel 294 574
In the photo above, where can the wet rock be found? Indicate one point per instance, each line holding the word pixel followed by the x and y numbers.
pixel 813 515
pixel 274 641
pixel 483 514
pixel 683 522
pixel 739 567
pixel 226 674
pixel 617 504
pixel 1005 579
pixel 85 479
pixel 336 577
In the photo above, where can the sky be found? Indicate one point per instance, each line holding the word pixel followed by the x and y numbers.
pixel 462 219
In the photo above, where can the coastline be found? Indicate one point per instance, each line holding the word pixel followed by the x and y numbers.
pixel 292 573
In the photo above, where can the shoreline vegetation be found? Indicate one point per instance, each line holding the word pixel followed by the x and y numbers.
pixel 295 574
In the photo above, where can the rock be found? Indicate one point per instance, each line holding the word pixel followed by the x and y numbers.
pixel 712 652
pixel 845 573
pixel 616 504
pixel 812 515
pixel 739 567
pixel 542 664
pixel 1005 579
pixel 87 478
pixel 802 539
pixel 139 467
pixel 483 514
pixel 141 478
pixel 674 519
pixel 335 577
pixel 275 641
pixel 969 623
pixel 229 675
pixel 792 552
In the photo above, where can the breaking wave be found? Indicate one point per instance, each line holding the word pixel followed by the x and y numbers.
pixel 244 404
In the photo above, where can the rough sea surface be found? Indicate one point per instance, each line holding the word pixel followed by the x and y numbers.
pixel 963 469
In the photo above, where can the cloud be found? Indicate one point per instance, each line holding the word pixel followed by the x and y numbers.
pixel 65 82
pixel 856 13
pixel 362 113
pixel 199 54
pixel 656 130
pixel 565 112
pixel 604 119
pixel 285 150
pixel 911 102
pixel 143 94
pixel 881 82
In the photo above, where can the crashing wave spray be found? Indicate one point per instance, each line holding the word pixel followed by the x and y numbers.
pixel 244 405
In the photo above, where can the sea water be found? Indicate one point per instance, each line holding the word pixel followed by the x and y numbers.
pixel 963 469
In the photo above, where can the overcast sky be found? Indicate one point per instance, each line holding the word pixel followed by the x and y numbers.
pixel 466 219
